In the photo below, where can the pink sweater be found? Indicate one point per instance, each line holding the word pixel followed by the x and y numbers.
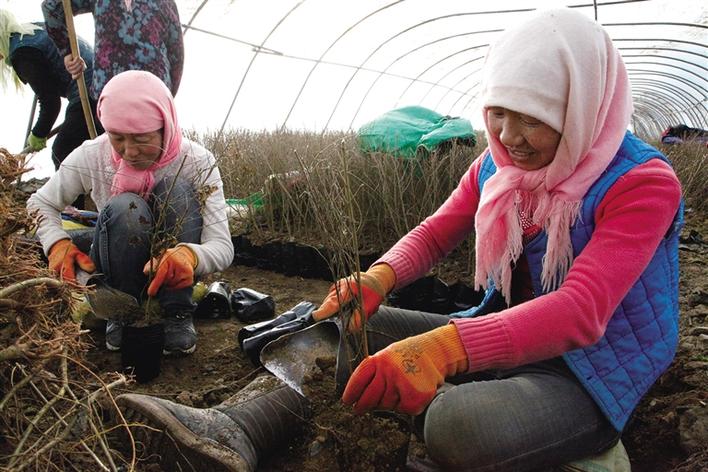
pixel 629 224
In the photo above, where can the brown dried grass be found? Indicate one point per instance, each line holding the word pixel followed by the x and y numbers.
pixel 51 401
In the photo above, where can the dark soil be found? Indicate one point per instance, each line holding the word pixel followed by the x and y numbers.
pixel 664 435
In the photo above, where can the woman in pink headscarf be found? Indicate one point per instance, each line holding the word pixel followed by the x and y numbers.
pixel 152 235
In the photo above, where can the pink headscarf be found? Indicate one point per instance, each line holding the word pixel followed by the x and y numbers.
pixel 139 102
pixel 561 68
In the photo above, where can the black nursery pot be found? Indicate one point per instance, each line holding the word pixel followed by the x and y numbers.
pixel 141 351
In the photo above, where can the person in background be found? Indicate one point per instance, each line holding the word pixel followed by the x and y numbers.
pixel 576 223
pixel 162 214
pixel 28 56
pixel 129 35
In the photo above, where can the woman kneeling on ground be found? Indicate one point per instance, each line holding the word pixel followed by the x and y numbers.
pixel 162 214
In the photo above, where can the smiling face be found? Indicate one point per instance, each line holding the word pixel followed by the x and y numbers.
pixel 531 143
pixel 139 150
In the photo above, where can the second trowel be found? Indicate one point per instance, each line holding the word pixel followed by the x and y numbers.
pixel 298 358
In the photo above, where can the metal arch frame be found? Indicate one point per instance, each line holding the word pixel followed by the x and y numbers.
pixel 438 62
pixel 455 85
pixel 689 108
pixel 667 65
pixel 662 48
pixel 250 64
pixel 649 109
pixel 692 102
pixel 405 30
pixel 645 110
pixel 679 90
pixel 407 53
pixel 665 102
pixel 645 94
pixel 701 90
pixel 583 5
pixel 675 91
pixel 331 45
pixel 660 56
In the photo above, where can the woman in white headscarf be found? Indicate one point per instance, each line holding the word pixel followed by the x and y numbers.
pixel 576 223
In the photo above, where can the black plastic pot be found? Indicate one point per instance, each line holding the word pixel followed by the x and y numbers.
pixel 216 303
pixel 141 351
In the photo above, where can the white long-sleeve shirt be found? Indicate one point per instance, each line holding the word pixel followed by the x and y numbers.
pixel 89 170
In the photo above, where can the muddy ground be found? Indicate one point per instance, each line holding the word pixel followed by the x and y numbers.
pixel 667 433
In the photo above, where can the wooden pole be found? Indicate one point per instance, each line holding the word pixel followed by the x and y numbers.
pixel 74 44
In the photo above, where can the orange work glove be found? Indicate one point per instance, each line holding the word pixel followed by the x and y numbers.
pixel 64 255
pixel 405 375
pixel 174 269
pixel 374 285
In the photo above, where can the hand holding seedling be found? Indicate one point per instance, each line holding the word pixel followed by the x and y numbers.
pixel 174 269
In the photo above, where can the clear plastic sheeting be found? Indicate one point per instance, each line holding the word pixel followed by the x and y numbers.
pixel 337 64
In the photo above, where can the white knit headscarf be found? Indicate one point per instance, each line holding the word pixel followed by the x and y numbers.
pixel 561 68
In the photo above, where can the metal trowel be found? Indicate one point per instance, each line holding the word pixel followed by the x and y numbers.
pixel 109 303
pixel 296 357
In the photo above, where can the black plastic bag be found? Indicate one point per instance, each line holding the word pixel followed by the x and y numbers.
pixel 253 337
pixel 249 305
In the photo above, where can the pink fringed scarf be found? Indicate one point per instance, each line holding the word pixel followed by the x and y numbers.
pixel 139 102
pixel 561 68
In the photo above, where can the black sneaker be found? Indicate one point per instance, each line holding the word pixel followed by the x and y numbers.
pixel 180 335
pixel 114 335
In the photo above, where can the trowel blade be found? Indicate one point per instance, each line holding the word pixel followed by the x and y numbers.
pixel 109 303
pixel 293 357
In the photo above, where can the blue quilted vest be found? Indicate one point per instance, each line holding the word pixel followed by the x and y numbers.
pixel 642 335
pixel 42 42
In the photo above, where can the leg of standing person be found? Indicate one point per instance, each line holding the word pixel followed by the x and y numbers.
pixel 72 133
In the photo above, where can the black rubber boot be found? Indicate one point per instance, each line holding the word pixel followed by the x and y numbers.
pixel 229 437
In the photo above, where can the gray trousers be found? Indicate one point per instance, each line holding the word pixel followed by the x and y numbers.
pixel 130 229
pixel 528 418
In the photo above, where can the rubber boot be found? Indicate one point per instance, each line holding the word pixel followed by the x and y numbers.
pixel 231 436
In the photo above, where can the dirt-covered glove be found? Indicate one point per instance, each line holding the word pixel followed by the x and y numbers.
pixel 405 375
pixel 174 269
pixel 36 143
pixel 64 256
pixel 374 285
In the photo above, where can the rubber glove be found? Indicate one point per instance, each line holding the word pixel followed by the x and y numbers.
pixel 374 285
pixel 64 256
pixel 405 375
pixel 36 143
pixel 174 269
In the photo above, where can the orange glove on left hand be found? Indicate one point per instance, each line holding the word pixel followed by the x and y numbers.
pixel 405 375
pixel 372 285
pixel 63 255
pixel 174 269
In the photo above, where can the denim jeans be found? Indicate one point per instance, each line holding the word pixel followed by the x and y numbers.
pixel 127 229
pixel 528 418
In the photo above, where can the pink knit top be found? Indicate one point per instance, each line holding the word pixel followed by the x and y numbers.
pixel 629 224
